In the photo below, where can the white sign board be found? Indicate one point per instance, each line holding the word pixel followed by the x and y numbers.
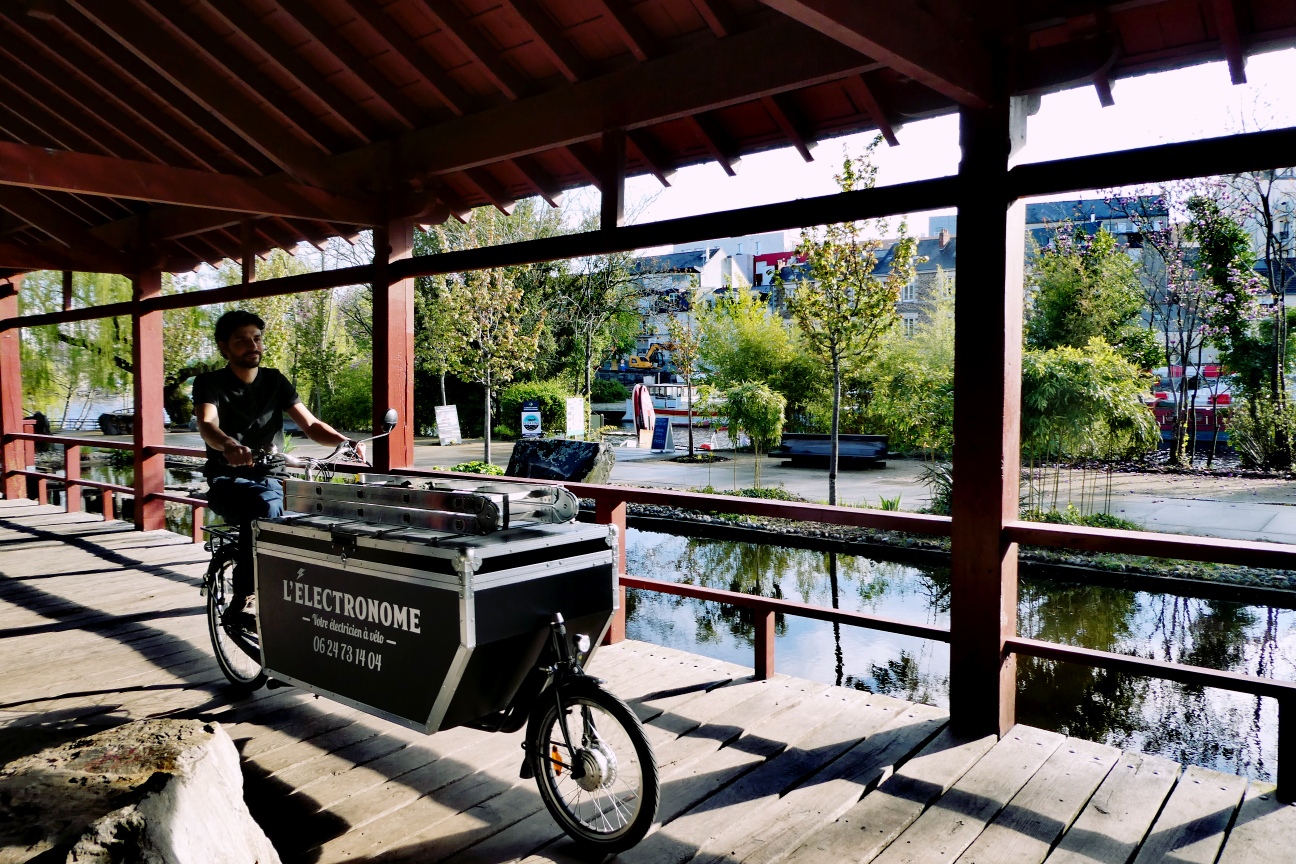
pixel 447 420
pixel 576 417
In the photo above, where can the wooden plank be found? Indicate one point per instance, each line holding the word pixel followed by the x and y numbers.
pixel 1025 831
pixel 954 821
pixel 1118 816
pixel 880 816
pixel 1190 829
pixel 728 817
pixel 831 792
pixel 1264 829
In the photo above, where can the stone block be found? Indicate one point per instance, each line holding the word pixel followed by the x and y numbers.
pixel 561 459
pixel 153 791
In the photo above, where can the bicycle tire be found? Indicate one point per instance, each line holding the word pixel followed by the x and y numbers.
pixel 612 806
pixel 238 653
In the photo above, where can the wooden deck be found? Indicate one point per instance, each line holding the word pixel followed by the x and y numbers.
pixel 100 624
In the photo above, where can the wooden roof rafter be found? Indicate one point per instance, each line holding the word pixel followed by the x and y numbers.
pixel 450 92
pixel 193 148
pixel 566 59
pixel 277 50
pixel 403 108
pixel 152 43
pixel 633 32
pixel 466 37
pixel 920 40
pixel 130 71
pixel 788 118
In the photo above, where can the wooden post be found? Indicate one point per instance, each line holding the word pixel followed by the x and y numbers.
pixel 109 505
pixel 150 479
pixel 196 530
pixel 987 384
pixel 42 490
pixel 610 511
pixel 247 250
pixel 72 472
pixel 612 206
pixel 393 346
pixel 11 419
pixel 67 290
pixel 1286 770
pixel 763 620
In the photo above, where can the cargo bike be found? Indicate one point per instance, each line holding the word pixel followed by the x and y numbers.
pixel 436 603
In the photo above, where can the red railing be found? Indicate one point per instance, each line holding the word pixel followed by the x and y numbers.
pixel 73 482
pixel 610 507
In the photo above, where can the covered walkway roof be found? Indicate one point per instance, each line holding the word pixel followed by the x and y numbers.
pixel 140 134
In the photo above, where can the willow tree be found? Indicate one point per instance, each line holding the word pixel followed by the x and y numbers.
pixel 844 305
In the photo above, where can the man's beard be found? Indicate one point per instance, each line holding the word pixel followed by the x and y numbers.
pixel 245 362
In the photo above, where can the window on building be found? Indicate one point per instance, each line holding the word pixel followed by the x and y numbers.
pixel 909 323
pixel 757 247
pixel 909 293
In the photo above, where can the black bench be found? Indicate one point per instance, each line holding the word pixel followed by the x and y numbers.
pixel 854 451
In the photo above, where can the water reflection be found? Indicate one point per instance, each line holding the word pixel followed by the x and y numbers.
pixel 1227 731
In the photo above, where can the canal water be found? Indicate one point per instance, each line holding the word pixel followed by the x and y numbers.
pixel 1227 731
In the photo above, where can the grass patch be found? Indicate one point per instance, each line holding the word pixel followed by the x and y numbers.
pixel 1072 516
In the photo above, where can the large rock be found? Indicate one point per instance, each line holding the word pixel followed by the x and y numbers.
pixel 561 459
pixel 155 791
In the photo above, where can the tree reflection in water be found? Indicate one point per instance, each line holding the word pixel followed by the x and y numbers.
pixel 1204 727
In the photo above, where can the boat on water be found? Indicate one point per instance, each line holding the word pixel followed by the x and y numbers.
pixel 670 400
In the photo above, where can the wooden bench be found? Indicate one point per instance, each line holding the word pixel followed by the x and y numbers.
pixel 854 451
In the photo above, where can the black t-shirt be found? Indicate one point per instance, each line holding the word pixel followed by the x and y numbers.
pixel 251 414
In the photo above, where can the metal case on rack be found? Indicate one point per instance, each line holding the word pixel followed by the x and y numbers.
pixel 426 628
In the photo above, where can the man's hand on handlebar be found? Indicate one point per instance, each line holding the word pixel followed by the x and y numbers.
pixel 237 454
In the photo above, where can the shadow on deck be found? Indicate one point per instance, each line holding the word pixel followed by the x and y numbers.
pixel 100 625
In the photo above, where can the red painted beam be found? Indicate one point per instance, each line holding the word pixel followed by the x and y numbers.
pixel 569 63
pixel 863 97
pixel 393 345
pixel 11 451
pixel 1230 33
pixel 150 473
pixel 65 171
pixel 924 41
pixel 987 461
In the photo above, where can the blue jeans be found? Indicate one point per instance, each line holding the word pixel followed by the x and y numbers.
pixel 239 500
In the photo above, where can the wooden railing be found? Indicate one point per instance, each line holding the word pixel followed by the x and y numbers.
pixel 610 507
pixel 73 482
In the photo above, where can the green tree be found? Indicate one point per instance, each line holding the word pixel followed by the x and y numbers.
pixel 1083 286
pixel 1080 402
pixel 686 354
pixel 756 410
pixel 492 340
pixel 845 307
pixel 909 381
pixel 597 309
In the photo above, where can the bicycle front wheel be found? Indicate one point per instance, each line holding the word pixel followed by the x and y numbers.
pixel 602 789
pixel 235 641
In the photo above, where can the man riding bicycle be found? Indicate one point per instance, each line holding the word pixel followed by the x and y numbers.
pixel 240 411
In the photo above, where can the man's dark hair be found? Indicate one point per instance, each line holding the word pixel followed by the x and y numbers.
pixel 233 320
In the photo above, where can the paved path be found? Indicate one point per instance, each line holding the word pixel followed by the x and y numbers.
pixel 100 625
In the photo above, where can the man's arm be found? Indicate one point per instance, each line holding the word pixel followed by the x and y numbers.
pixel 317 430
pixel 209 428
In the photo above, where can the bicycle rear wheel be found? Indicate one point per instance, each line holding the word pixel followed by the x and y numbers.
pixel 603 789
pixel 236 645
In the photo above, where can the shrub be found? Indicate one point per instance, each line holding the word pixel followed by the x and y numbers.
pixel 478 467
pixel 552 396
pixel 606 390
